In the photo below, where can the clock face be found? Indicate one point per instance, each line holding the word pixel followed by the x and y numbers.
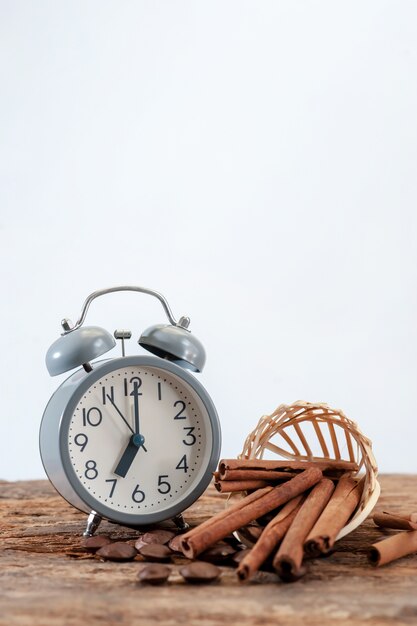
pixel 139 441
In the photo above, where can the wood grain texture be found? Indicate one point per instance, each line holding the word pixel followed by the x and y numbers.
pixel 42 584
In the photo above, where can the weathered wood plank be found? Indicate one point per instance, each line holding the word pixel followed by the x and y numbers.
pixel 42 585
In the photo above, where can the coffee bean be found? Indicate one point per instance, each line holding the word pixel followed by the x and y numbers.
pixel 139 543
pixel 117 551
pixel 91 544
pixel 156 552
pixel 200 572
pixel 251 532
pixel 219 553
pixel 231 540
pixel 238 556
pixel 158 536
pixel 154 574
pixel 174 544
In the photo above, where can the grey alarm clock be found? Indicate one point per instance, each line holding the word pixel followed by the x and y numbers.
pixel 132 439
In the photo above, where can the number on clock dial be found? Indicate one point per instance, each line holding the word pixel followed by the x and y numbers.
pixel 92 416
pixel 107 394
pixel 81 440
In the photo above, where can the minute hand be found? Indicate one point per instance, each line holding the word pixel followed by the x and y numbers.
pixel 135 393
pixel 121 414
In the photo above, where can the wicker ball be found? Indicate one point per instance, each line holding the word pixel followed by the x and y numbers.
pixel 304 431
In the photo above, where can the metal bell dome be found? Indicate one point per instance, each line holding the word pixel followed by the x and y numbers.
pixel 176 344
pixel 77 347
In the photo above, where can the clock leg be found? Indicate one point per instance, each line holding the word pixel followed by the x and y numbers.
pixel 180 522
pixel 93 523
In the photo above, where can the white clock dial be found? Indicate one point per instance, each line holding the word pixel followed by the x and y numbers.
pixel 139 440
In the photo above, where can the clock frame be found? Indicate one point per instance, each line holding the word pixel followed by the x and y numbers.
pixel 177 352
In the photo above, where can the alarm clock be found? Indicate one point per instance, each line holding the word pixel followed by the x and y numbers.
pixel 131 439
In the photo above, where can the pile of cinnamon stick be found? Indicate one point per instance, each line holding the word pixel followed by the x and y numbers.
pixel 308 503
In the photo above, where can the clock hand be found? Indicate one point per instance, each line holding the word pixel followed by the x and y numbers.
pixel 135 393
pixel 121 414
pixel 136 441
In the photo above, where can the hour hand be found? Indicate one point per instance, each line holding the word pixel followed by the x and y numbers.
pixel 135 442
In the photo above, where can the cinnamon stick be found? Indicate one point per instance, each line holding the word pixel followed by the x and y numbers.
pixel 263 464
pixel 202 538
pixel 289 557
pixel 268 541
pixel 237 506
pixel 393 520
pixel 393 548
pixel 342 504
pixel 249 474
pixel 229 486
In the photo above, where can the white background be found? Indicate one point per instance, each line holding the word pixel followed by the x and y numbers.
pixel 254 161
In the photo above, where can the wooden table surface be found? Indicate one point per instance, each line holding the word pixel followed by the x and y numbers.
pixel 42 585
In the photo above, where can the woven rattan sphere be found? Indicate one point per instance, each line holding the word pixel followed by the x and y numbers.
pixel 304 431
